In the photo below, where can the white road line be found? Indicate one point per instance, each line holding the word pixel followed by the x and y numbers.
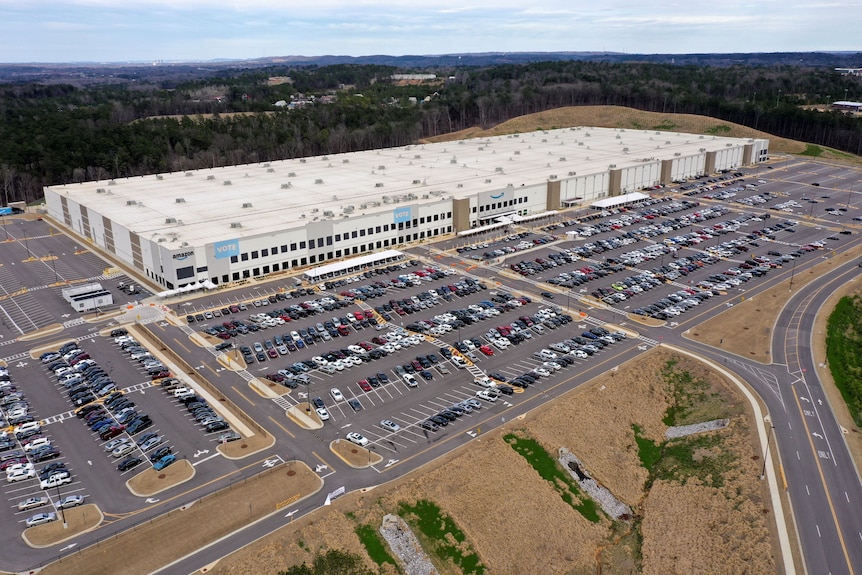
pixel 216 454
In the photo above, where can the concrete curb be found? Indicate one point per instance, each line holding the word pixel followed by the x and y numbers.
pixel 783 536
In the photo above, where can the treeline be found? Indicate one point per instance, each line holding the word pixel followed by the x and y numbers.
pixel 52 134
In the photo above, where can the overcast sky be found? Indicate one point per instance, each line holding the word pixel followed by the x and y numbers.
pixel 146 30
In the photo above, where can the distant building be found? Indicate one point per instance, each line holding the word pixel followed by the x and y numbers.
pixel 846 106
pixel 849 71
pixel 414 77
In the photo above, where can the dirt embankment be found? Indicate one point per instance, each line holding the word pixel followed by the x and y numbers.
pixel 699 505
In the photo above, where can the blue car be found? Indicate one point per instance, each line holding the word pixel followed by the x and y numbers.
pixel 164 461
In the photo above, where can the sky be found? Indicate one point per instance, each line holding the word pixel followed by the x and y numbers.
pixel 183 30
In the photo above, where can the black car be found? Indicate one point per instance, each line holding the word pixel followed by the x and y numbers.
pixel 429 425
pixel 216 426
pixel 159 452
pixel 44 454
pixel 354 403
pixel 129 463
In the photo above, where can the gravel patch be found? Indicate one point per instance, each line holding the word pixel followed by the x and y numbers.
pixel 685 430
pixel 609 504
pixel 406 547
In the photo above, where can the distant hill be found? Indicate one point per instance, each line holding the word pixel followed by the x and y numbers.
pixel 119 72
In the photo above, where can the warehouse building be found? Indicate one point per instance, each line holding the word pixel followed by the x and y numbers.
pixel 227 224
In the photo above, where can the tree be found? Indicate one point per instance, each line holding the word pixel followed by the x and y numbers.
pixel 333 562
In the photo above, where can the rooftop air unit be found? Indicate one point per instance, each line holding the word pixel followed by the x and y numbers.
pixel 246 205
pixel 170 220
pixel 180 201
pixel 235 225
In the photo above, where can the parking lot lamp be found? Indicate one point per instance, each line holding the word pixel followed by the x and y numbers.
pixel 60 509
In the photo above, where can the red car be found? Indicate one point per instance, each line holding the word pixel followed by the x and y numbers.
pixel 272 353
pixel 358 315
pixel 363 383
pixel 365 345
pixel 486 350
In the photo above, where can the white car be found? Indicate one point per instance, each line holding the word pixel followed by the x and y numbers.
pixel 322 413
pixel 123 449
pixel 41 519
pixel 115 443
pixel 70 501
pixel 484 382
pixel 486 395
pixel 55 481
pixel 336 394
pixel 32 503
pixel 410 380
pixel 459 361
pixel 32 426
pixel 390 425
pixel 34 443
pixel 541 371
pixel 20 474
pixel 357 438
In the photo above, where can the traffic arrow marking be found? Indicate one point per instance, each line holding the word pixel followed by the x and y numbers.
pixel 321 468
pixel 817 435
pixel 152 500
pixel 291 513
pixel 200 452
pixel 391 462
pixel 804 399
pixel 69 546
pixel 270 463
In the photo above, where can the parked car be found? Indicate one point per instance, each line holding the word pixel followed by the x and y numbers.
pixel 357 438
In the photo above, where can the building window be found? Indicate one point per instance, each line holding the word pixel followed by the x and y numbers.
pixel 320 242
pixel 266 269
pixel 302 245
pixel 449 214
pixel 246 274
pixel 303 261
pixel 254 255
pixel 244 257
pixel 264 252
pixel 338 253
pixel 337 237
pixel 385 227
pixel 354 234
pixel 312 259
pixel 202 270
pixel 377 230
pixel 362 233
pixel 275 267
pixel 225 278
pixel 329 240
pixel 235 276
pixel 284 249
pixel 473 209
pixel 256 272
pixel 185 273
pixel 370 231
pixel 293 247
pixel 234 259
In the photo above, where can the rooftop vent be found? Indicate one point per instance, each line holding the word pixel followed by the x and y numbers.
pixel 180 201
pixel 498 170
pixel 286 186
pixel 235 225
pixel 417 181
pixel 131 203
pixel 247 205
pixel 291 174
pixel 112 183
pixel 345 161
pixel 487 180
pixel 210 177
pixel 573 173
pixel 318 181
pixel 189 174
pixel 517 152
pixel 301 160
pixel 378 185
pixel 381 167
pixel 552 177
pixel 328 213
pixel 160 177
pixel 270 170
pixel 100 190
pixel 226 183
pixel 266 165
pixel 612 166
pixel 170 220
pixel 325 158
pixel 563 158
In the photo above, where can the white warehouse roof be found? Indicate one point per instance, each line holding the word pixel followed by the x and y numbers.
pixel 619 200
pixel 248 200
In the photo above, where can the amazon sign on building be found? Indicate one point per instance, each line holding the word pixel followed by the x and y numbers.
pixel 237 222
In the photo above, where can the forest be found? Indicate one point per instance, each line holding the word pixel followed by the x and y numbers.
pixel 53 133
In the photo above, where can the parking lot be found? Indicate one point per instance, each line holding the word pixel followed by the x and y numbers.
pixel 421 354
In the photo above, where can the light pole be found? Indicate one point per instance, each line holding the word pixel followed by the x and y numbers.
pixel 777 97
pixel 792 272
pixel 60 508
pixel 54 267
pixel 766 452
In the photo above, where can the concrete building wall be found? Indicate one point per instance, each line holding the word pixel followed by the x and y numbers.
pixel 639 177
pixel 615 182
pixel 553 200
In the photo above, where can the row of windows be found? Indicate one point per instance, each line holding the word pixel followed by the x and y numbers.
pixel 498 205
pixel 328 241
pixel 321 258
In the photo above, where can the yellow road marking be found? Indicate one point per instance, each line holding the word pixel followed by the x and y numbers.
pixel 283 428
pixel 182 346
pixel 233 387
pixel 215 373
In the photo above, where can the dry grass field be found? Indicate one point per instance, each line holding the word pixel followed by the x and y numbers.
pixel 698 509
pixel 629 118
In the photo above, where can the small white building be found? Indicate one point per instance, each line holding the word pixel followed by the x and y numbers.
pixel 87 297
